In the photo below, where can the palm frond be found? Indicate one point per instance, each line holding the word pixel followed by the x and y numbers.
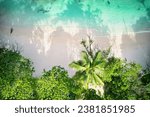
pixel 97 58
pixel 77 65
pixel 84 57
pixel 98 80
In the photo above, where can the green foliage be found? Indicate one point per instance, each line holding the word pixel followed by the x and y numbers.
pixel 146 76
pixel 54 85
pixel 20 89
pixel 143 90
pixel 15 75
pixel 90 69
pixel 13 65
pixel 124 78
pixel 90 94
pixel 121 78
pixel 16 80
pixel 97 73
pixel 78 92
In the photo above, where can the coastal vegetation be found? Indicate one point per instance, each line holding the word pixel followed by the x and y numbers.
pixel 99 76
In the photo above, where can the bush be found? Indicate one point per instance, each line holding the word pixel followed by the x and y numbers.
pixel 21 89
pixel 124 79
pixel 15 76
pixel 143 90
pixel 53 85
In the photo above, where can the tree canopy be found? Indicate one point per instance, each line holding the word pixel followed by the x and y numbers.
pixel 99 75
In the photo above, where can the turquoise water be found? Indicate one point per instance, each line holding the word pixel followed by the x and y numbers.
pixel 86 13
pixel 49 31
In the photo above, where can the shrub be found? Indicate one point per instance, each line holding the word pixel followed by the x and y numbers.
pixel 15 75
pixel 124 79
pixel 54 85
pixel 143 90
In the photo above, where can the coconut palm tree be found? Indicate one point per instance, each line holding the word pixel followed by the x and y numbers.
pixel 90 69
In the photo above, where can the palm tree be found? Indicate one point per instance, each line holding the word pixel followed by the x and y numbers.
pixel 90 69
